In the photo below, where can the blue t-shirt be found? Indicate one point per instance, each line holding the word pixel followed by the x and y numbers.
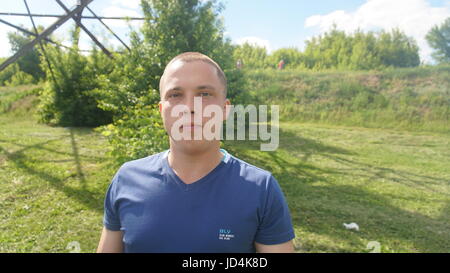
pixel 227 210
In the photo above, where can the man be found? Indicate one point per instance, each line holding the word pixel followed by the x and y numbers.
pixel 194 197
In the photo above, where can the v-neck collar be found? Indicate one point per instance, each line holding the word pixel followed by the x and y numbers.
pixel 200 182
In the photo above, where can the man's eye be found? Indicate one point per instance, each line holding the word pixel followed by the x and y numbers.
pixel 204 94
pixel 174 95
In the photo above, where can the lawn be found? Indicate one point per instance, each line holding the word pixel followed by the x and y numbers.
pixel 52 185
pixel 394 184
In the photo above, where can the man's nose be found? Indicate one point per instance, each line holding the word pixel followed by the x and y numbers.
pixel 189 102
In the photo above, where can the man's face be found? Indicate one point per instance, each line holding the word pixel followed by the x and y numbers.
pixel 182 83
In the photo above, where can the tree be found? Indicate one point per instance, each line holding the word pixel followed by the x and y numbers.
pixel 66 98
pixel 292 57
pixel 397 50
pixel 131 90
pixel 331 50
pixel 252 56
pixel 30 61
pixel 177 26
pixel 364 55
pixel 439 39
pixel 359 50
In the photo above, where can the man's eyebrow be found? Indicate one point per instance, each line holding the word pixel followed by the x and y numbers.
pixel 205 87
pixel 176 88
pixel 200 87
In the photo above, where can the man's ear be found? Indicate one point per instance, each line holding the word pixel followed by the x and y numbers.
pixel 160 106
pixel 227 108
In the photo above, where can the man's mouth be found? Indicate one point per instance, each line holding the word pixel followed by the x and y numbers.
pixel 191 126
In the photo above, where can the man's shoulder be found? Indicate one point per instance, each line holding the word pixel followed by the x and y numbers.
pixel 250 172
pixel 151 163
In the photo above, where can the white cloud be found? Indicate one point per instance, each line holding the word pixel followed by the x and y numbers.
pixel 114 11
pixel 131 4
pixel 255 41
pixel 414 17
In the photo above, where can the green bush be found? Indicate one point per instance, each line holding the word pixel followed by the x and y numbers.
pixel 8 73
pixel 67 97
pixel 20 78
pixel 138 133
pixel 13 76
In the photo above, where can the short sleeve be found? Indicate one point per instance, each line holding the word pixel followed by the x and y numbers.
pixel 111 218
pixel 276 225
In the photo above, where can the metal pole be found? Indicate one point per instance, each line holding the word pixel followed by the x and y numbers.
pixel 106 51
pixel 43 35
pixel 29 33
pixel 82 17
pixel 123 43
pixel 42 48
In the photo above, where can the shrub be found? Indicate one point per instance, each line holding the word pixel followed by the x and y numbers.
pixel 67 99
pixel 138 133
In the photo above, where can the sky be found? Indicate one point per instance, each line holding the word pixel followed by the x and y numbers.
pixel 271 23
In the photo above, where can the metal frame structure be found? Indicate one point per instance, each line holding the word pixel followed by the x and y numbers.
pixel 82 17
pixel 75 13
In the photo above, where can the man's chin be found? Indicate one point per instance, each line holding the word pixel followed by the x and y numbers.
pixel 194 146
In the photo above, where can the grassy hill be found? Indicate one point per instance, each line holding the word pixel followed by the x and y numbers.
pixel 394 183
pixel 20 97
pixel 415 99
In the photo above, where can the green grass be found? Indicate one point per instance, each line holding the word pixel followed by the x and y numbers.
pixel 52 185
pixel 394 184
pixel 9 95
pixel 413 99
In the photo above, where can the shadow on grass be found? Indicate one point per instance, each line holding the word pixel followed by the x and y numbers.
pixel 323 208
pixel 319 209
pixel 93 200
pixel 378 217
pixel 376 173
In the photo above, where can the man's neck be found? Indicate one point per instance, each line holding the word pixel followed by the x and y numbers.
pixel 191 167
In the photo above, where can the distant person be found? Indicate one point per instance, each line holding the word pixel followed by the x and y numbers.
pixel 281 65
pixel 239 64
pixel 194 197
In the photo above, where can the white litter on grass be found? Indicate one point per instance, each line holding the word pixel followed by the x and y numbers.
pixel 353 226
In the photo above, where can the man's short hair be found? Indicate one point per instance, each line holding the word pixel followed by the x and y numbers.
pixel 188 57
